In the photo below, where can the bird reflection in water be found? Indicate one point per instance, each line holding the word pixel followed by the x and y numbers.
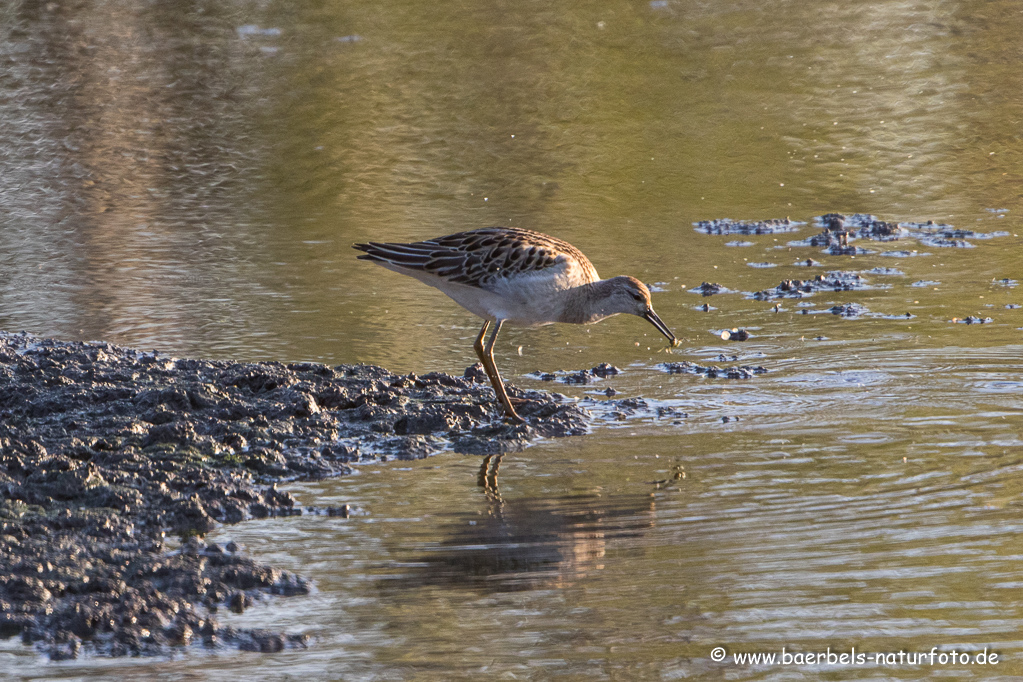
pixel 529 543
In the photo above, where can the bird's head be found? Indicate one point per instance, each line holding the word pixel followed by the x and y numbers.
pixel 629 295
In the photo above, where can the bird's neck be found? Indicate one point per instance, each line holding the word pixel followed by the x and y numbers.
pixel 586 303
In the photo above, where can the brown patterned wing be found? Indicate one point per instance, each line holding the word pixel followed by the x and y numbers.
pixel 478 257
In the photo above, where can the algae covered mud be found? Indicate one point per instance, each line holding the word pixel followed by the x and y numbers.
pixel 104 449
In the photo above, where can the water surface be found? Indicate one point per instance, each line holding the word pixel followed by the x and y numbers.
pixel 190 177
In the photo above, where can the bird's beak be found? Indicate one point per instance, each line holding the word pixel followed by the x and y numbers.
pixel 651 316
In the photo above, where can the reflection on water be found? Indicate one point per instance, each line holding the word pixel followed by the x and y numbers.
pixel 190 176
pixel 127 175
pixel 526 543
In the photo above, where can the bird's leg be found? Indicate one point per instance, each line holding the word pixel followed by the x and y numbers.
pixel 486 356
pixel 478 344
pixel 478 347
pixel 481 354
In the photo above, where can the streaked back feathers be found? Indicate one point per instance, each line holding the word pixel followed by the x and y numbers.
pixel 481 257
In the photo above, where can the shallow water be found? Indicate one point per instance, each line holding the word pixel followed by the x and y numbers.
pixel 190 176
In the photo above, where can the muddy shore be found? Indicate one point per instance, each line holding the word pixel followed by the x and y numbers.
pixel 109 456
pixel 115 463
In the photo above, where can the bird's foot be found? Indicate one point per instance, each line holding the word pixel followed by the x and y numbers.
pixel 514 419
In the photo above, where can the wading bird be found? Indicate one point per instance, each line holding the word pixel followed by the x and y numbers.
pixel 507 274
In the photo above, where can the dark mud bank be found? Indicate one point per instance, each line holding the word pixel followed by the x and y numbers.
pixel 104 450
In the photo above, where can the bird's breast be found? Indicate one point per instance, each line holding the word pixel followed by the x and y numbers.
pixel 536 298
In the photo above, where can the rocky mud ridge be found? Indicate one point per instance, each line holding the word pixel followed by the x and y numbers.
pixel 837 233
pixel 726 226
pixel 736 372
pixel 581 376
pixel 836 280
pixel 838 230
pixel 104 450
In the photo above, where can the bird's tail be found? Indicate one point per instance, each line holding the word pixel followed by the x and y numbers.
pixel 414 256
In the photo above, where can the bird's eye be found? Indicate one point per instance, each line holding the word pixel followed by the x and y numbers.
pixel 636 297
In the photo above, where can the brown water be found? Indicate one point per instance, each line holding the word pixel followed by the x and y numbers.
pixel 190 176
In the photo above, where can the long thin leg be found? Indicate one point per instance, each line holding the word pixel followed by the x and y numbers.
pixel 486 356
pixel 481 354
pixel 478 344
pixel 478 347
